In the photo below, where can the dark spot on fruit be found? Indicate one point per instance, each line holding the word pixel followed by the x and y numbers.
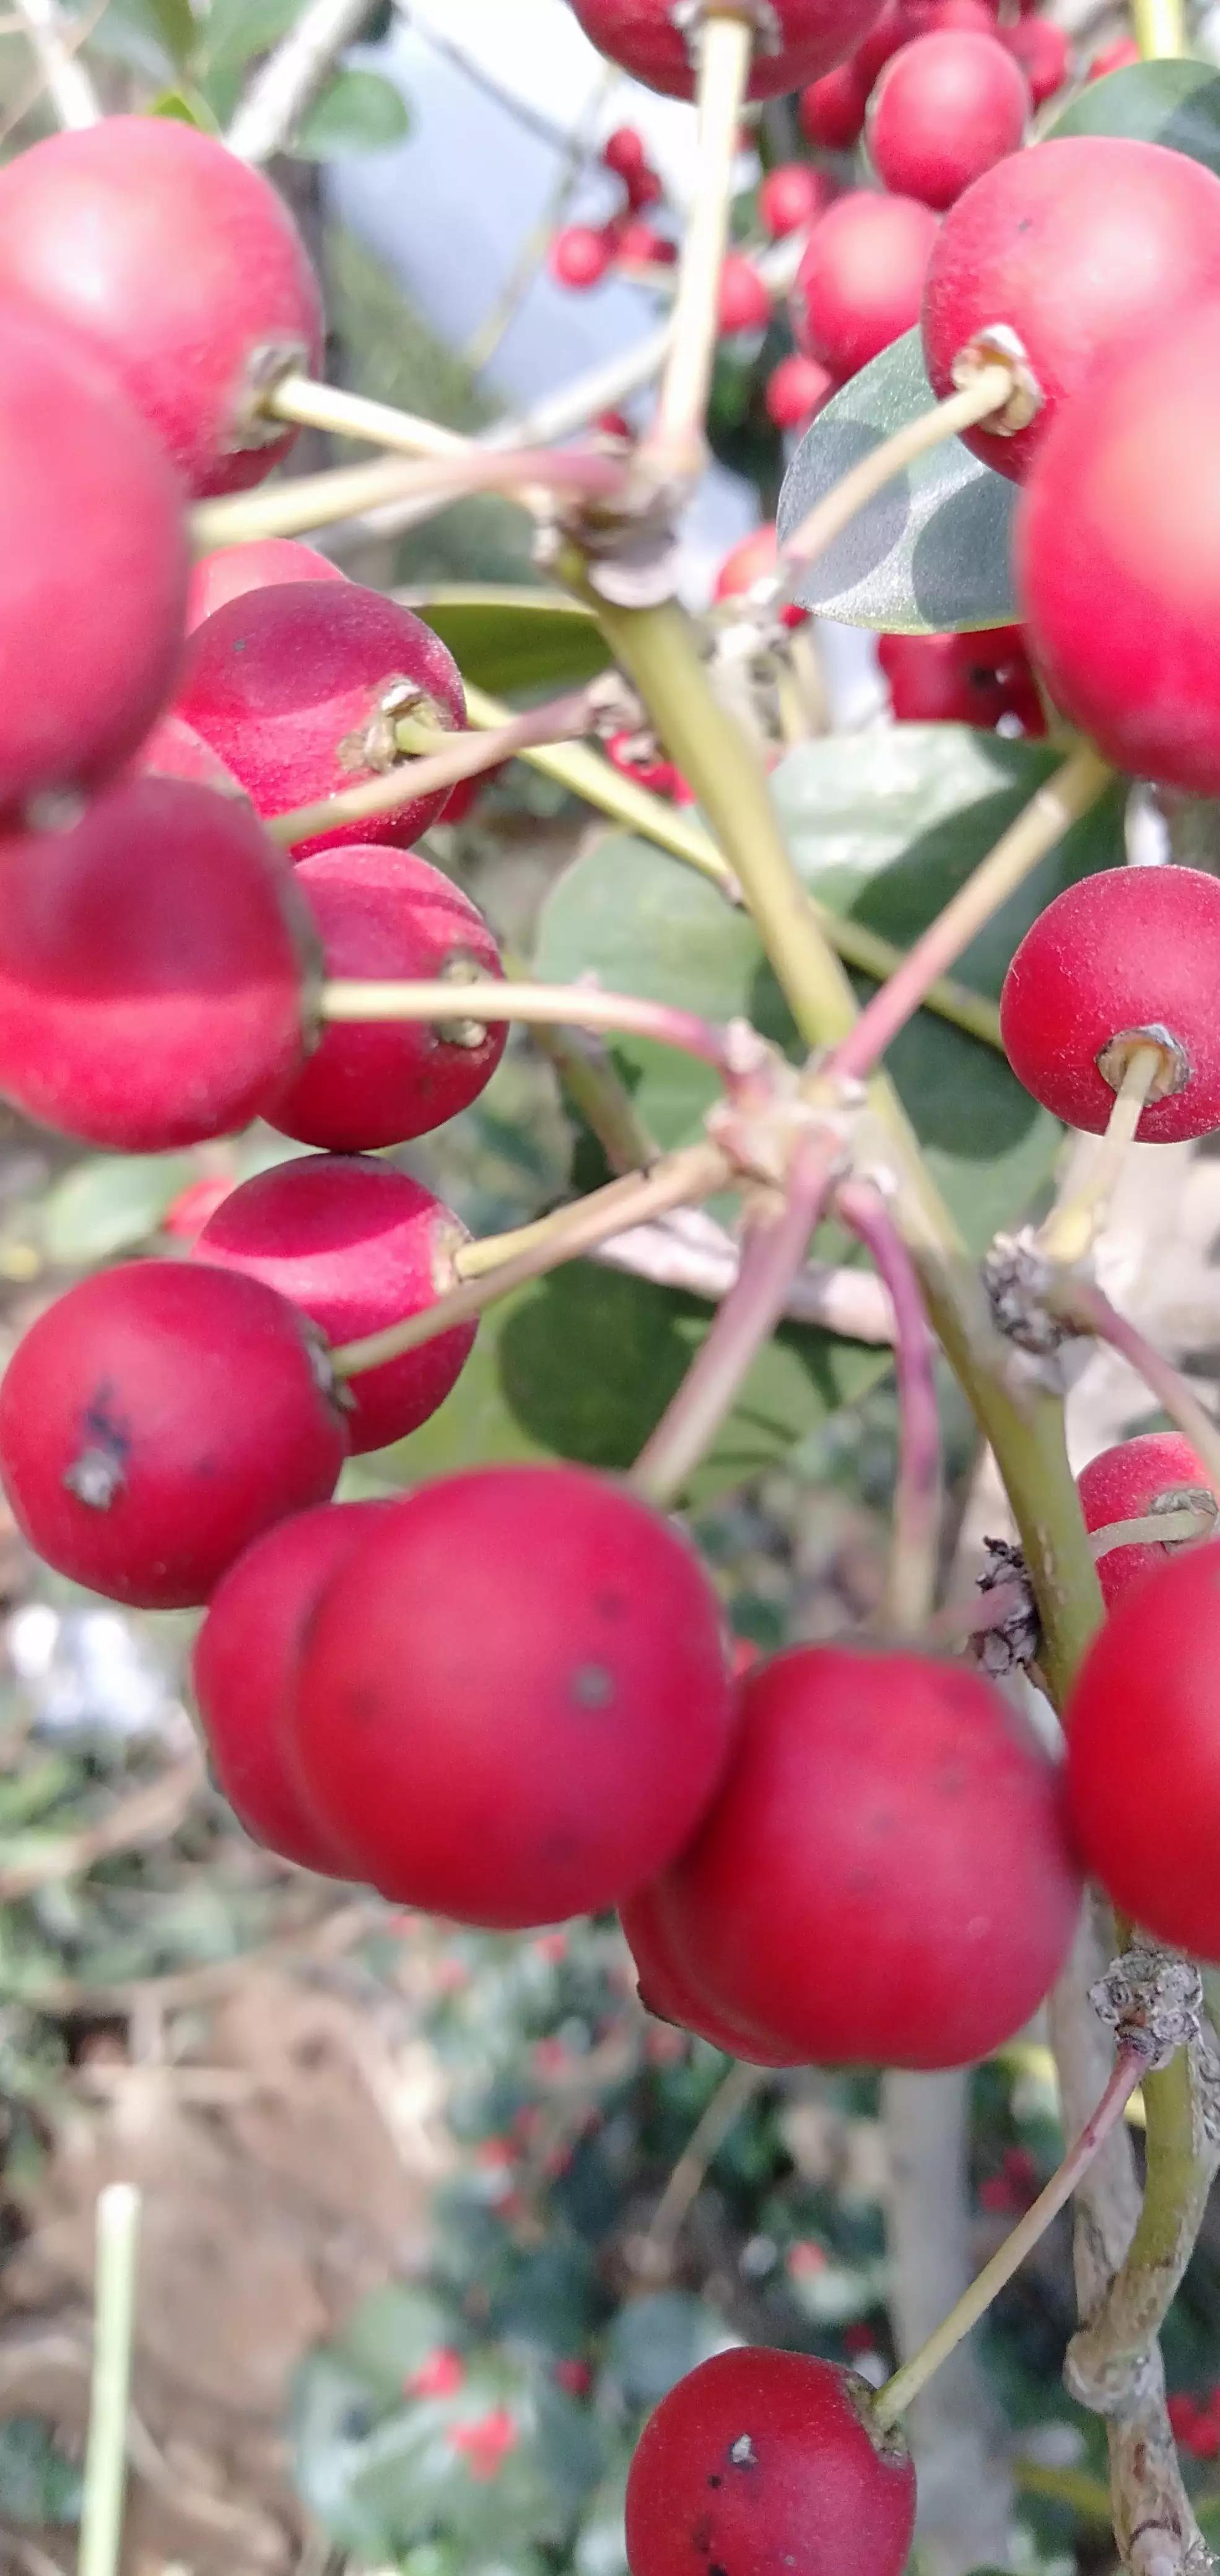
pixel 714 2481
pixel 610 1605
pixel 701 2536
pixel 951 1779
pixel 717 2571
pixel 592 1686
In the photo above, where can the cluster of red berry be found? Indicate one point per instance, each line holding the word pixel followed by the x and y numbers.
pixel 582 254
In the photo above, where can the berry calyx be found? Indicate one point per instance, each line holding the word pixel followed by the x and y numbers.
pixel 1157 1473
pixel 802 39
pixel 745 298
pixel 382 913
pixel 946 108
pixel 357 1246
pixel 831 110
pixel 1066 255
pixel 792 197
pixel 579 256
pixel 514 1705
pixel 884 1877
pixel 245 1668
pixel 156 964
pixel 977 679
pixel 196 334
pixel 1143 1766
pixel 94 547
pixel 769 2459
pixel 231 571
pixel 796 391
pixel 861 279
pixel 156 1419
pixel 1125 957
pixel 299 687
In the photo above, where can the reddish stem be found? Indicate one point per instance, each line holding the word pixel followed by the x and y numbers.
pixel 918 1488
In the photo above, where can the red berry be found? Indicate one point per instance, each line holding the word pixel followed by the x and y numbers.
pixel 1043 52
pixel 614 424
pixel 233 570
pixel 887 33
pixel 186 1218
pixel 1125 951
pixel 762 2459
pixel 803 39
pixel 630 755
pixel 642 245
pixel 745 300
pixel 792 197
pixel 94 551
pixel 665 1990
pixel 183 266
pixel 441 2375
pixel 158 1418
pixel 387 913
pixel 752 565
pixel 884 1877
pixel 860 281
pixel 832 109
pixel 902 20
pixel 514 1706
pixel 1144 1753
pixel 945 109
pixel 357 1246
pixel 1120 509
pixel 962 679
pixel 625 152
pixel 1117 57
pixel 1084 247
pixel 245 1668
pixel 579 256
pixel 1157 1472
pixel 174 750
pixel 298 687
pixel 796 390
pixel 154 965
pixel 644 189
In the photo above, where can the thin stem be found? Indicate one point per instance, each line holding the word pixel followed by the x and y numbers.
pixel 1064 798
pixel 774 1250
pixel 732 2096
pixel 101 2525
pixel 314 500
pixel 347 415
pixel 54 46
pixel 1077 1219
pixel 290 78
pixel 990 391
pixel 1181 2156
pixel 1083 1303
pixel 726 41
pixel 892 2401
pixel 463 755
pixel 695 1173
pixel 560 1005
pixel 597 1092
pixel 918 1491
pixel 1160 29
pixel 1155 1529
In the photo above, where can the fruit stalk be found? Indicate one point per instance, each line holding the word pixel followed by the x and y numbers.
pixel 101 2527
pixel 918 1489
pixel 313 405
pixel 317 500
pixel 675 442
pixel 1082 1303
pixel 560 1005
pixel 286 83
pixel 1155 1529
pixel 67 83
pixel 1074 1223
pixel 461 756
pixel 1160 29
pixel 990 391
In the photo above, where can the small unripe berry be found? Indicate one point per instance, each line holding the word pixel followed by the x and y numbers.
pixel 356 1245
pixel 860 281
pixel 156 1419
pixel 792 197
pixel 805 38
pixel 945 108
pixel 299 687
pixel 231 571
pixel 1126 952
pixel 1043 52
pixel 388 914
pixel 183 267
pixel 745 299
pixel 514 1704
pixel 832 109
pixel 579 256
pixel 761 2459
pixel 1157 1473
pixel 796 391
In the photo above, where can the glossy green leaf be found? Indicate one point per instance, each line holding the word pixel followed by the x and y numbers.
pixel 236 30
pixel 109 1204
pixel 356 112
pixel 509 640
pixel 1173 103
pixel 930 551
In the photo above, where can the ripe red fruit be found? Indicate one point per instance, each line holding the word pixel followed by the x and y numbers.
pixel 388 913
pixel 902 20
pixel 636 756
pixel 514 1706
pixel 94 550
pixel 1159 1472
pixel 945 109
pixel 233 570
pixel 1085 247
pixel 188 1214
pixel 644 189
pixel 1043 52
pixel 640 243
pixel 804 38
pixel 298 688
pixel 1117 57
pixel 860 281
pixel 155 962
pixel 792 197
pixel 1125 951
pixel 884 1877
pixel 246 1665
pixel 962 679
pixel 625 152
pixel 762 2459
pixel 831 110
pixel 1144 1753
pixel 174 750
pixel 156 1419
pixel 358 1246
pixel 745 299
pixel 183 267
pixel 667 1992
pixel 579 256
pixel 1131 463
pixel 750 565
pixel 796 391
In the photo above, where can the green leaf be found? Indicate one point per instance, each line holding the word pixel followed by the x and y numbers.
pixel 390 2335
pixel 188 106
pixel 109 1204
pixel 357 112
pixel 1173 103
pixel 509 640
pixel 656 2340
pixel 236 30
pixel 930 552
pixel 153 37
pixel 38 2484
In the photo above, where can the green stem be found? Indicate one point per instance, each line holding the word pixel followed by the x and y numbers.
pixel 101 2527
pixel 1180 2163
